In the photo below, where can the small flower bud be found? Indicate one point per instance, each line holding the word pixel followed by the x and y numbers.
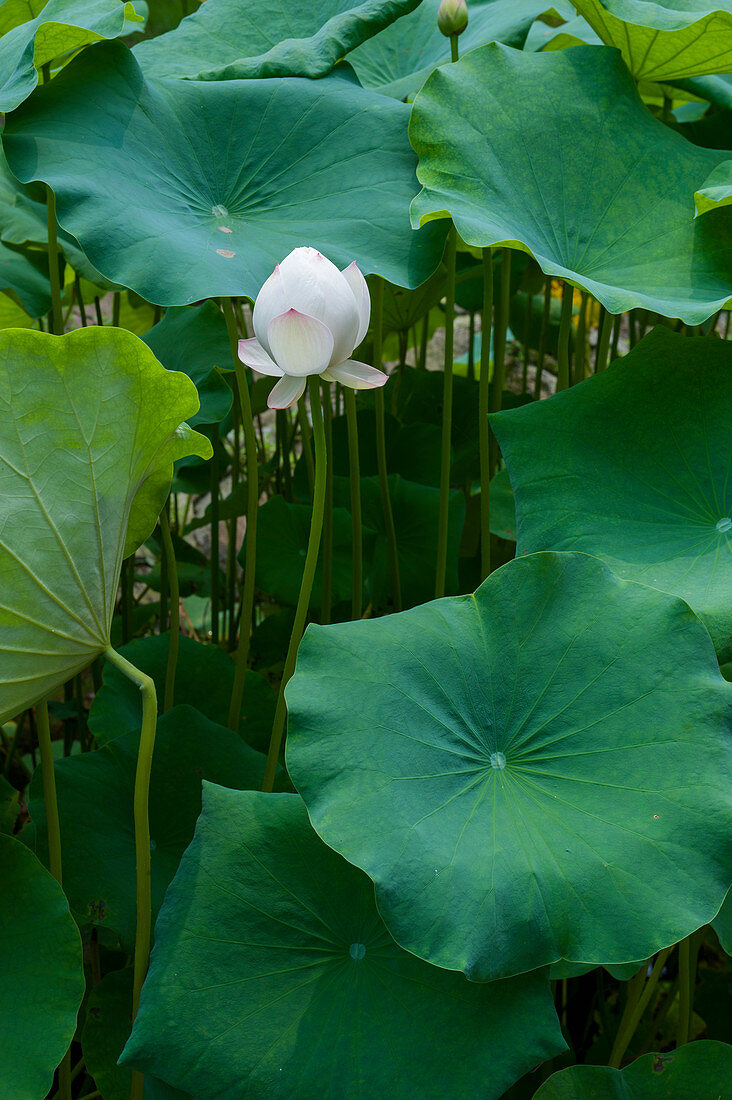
pixel 452 17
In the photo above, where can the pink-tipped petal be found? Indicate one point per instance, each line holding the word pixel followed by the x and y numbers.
pixel 270 302
pixel 359 376
pixel 286 392
pixel 353 276
pixel 253 355
pixel 301 345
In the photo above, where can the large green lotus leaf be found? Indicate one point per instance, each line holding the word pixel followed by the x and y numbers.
pixel 58 28
pixel 716 190
pixel 204 677
pixel 95 807
pixel 106 1030
pixel 556 154
pixel 398 61
pixel 665 40
pixel 90 424
pixel 195 341
pixel 24 276
pixel 518 767
pixel 697 1071
pixel 233 39
pixel 183 190
pixel 635 468
pixel 43 974
pixel 273 975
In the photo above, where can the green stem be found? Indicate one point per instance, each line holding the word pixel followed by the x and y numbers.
pixel 116 307
pixel 453 47
pixel 484 433
pixel 578 373
pixel 471 346
pixel 527 340
pixel 377 313
pixel 640 992
pixel 424 340
pixel 688 954
pixel 355 473
pixel 327 537
pixel 499 347
pixel 545 316
pixel 80 301
pixel 565 335
pixel 603 340
pixel 142 822
pixel 53 263
pixel 306 584
pixel 250 449
pixel 53 826
pixel 174 641
pixel 214 564
pixel 446 450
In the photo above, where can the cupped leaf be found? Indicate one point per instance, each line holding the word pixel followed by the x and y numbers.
pixel 398 61
pixel 106 1030
pixel 696 1071
pixel 183 190
pixel 43 974
pixel 90 424
pixel 203 678
pixel 60 27
pixel 716 190
pixel 273 975
pixel 196 342
pixel 235 39
pixel 665 40
pixel 570 166
pixel 95 807
pixel 24 276
pixel 519 766
pixel 635 467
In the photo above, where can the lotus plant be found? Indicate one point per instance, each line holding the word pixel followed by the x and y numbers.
pixel 308 318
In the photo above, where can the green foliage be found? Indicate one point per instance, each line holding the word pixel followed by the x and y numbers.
pixel 571 167
pixel 328 995
pixel 43 977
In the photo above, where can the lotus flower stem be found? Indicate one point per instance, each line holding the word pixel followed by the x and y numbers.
pixel 499 347
pixel 214 563
pixel 484 433
pixel 378 323
pixel 53 272
pixel 578 373
pixel 688 955
pixel 603 339
pixel 306 584
pixel 639 994
pixel 545 316
pixel 355 472
pixel 327 586
pixel 142 832
pixel 250 448
pixel 302 414
pixel 565 335
pixel 174 641
pixel 80 300
pixel 445 454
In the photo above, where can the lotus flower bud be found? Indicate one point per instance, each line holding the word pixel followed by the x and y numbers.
pixel 452 17
pixel 308 318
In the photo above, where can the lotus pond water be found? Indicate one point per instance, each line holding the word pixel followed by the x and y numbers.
pixel 366 550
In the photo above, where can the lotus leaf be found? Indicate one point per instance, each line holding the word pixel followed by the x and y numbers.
pixel 60 27
pixel 41 940
pixel 518 766
pixel 665 40
pixel 717 189
pixel 230 39
pixel 183 190
pixel 273 975
pixel 556 154
pixel 635 468
pixel 90 425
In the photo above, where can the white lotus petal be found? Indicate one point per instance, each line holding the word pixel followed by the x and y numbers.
pixel 353 276
pixel 271 302
pixel 300 344
pixel 286 392
pixel 314 286
pixel 253 355
pixel 359 376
